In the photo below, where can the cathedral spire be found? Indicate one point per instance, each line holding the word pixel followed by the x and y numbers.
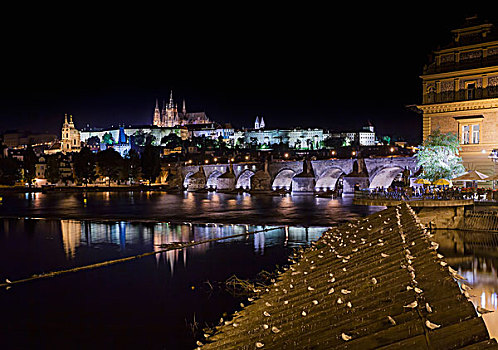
pixel 184 109
pixel 65 118
pixel 171 99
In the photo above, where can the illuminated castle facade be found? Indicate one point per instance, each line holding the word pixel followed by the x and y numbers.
pixel 171 117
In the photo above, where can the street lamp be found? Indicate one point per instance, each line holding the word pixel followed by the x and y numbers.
pixel 206 161
pixel 494 157
pixel 215 160
pixel 286 155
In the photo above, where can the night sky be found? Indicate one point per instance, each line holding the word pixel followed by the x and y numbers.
pixel 331 68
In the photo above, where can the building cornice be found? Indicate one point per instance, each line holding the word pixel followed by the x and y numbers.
pixel 485 44
pixel 459 106
pixel 459 73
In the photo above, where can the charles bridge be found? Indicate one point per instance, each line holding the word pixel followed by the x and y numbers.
pixel 297 176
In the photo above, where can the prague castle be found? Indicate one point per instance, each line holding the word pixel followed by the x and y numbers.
pixel 460 93
pixel 171 117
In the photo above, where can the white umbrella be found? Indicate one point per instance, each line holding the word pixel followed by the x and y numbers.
pixel 472 175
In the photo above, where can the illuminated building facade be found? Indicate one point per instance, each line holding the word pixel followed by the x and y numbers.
pixel 171 117
pixel 70 140
pixel 460 93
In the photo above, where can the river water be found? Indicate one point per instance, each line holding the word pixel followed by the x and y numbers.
pixel 158 302
pixel 164 301
pixel 475 256
pixel 209 207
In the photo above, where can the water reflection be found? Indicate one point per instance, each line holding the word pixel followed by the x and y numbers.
pixel 71 236
pixel 128 237
pixel 194 207
pixel 161 293
pixel 474 256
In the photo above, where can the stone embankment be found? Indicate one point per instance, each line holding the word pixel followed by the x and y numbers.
pixel 376 283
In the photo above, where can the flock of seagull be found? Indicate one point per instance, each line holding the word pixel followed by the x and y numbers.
pixel 302 264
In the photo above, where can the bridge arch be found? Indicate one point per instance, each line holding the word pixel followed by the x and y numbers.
pixel 244 179
pixel 283 179
pixel 186 180
pixel 328 179
pixel 212 179
pixel 385 176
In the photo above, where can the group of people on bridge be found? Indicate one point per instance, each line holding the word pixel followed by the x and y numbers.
pixel 426 192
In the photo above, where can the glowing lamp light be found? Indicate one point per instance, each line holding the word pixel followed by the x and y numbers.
pixel 215 159
pixel 286 155
pixel 333 153
pixel 232 159
pixel 190 161
pixel 246 157
pixel 206 161
pixel 392 149
pixel 353 153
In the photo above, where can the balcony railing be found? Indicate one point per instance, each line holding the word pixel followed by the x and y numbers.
pixel 462 65
pixel 461 95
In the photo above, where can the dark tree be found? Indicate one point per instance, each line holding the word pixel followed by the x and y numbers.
pixel 52 172
pixel 134 165
pixel 138 139
pixel 150 139
pixel 108 139
pixel 171 141
pixel 93 141
pixel 151 163
pixel 333 142
pixel 109 163
pixel 84 166
pixel 10 171
pixel 29 165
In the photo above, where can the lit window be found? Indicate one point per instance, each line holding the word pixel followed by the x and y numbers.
pixel 465 134
pixel 470 134
pixel 475 133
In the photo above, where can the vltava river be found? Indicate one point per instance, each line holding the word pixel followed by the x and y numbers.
pixel 303 210
pixel 149 303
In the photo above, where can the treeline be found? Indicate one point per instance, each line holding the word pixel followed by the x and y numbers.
pixel 84 167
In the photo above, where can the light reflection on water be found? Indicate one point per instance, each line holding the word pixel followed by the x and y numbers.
pixel 473 255
pixel 187 206
pixel 161 293
pixel 123 235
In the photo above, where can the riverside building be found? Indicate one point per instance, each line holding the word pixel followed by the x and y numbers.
pixel 460 93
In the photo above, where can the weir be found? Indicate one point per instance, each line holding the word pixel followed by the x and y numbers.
pixel 375 283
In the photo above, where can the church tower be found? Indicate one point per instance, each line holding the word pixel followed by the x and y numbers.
pixel 157 115
pixel 170 115
pixel 163 114
pixel 256 123
pixel 262 123
pixel 70 140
